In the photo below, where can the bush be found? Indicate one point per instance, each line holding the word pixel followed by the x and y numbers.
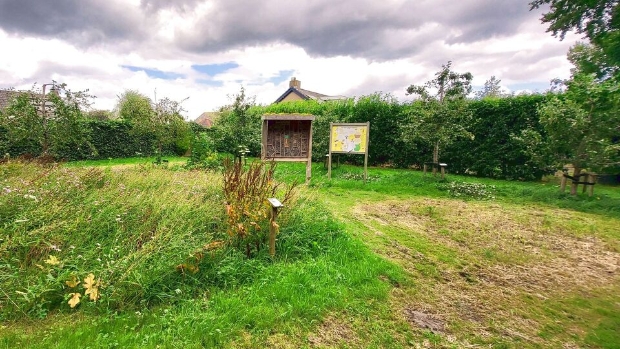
pixel 203 155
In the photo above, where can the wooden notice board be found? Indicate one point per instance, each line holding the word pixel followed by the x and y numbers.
pixel 349 138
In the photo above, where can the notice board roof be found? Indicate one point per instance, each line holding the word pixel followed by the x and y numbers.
pixel 288 117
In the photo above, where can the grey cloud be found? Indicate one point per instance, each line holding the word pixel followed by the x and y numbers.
pixel 47 69
pixel 479 20
pixel 363 28
pixel 156 5
pixel 85 22
pixel 375 30
pixel 372 84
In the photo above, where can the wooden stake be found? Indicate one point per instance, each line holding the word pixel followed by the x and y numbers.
pixel 563 184
pixel 273 226
pixel 591 179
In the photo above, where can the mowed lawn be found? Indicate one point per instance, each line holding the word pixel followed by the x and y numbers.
pixel 418 263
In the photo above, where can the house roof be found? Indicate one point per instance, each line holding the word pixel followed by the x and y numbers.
pixel 306 94
pixel 207 119
pixel 295 88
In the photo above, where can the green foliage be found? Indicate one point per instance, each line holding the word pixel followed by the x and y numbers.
pixel 582 125
pixel 491 89
pixel 99 114
pixel 128 227
pixel 114 139
pixel 466 190
pixel 48 126
pixel 590 59
pixel 598 20
pixel 385 115
pixel 204 155
pixel 442 115
pixel 134 106
pixel 508 141
pixel 238 126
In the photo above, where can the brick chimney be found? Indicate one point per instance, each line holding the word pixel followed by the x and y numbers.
pixel 294 83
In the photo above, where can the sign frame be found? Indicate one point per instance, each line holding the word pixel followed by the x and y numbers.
pixel 332 125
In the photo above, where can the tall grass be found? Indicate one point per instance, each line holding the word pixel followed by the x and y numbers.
pixel 131 228
pixel 128 227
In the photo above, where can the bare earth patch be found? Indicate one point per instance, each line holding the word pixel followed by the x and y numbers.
pixel 504 254
pixel 332 332
pixel 423 320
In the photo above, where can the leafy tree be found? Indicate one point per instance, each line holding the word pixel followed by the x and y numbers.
pixel 101 115
pixel 598 20
pixel 582 124
pixel 590 59
pixel 491 89
pixel 442 113
pixel 132 105
pixel 238 127
pixel 47 125
pixel 162 120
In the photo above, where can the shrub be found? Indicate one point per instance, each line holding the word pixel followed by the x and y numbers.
pixel 466 190
pixel 204 156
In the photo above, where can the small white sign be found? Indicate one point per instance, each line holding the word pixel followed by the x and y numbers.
pixel 275 203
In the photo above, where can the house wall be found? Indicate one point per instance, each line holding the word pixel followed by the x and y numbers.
pixel 291 97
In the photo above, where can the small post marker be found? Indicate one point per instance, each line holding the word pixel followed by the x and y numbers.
pixel 275 205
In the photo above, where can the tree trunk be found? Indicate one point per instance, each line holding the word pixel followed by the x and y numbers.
pixel 159 148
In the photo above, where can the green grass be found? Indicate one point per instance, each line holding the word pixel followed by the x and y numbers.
pixel 126 161
pixel 353 259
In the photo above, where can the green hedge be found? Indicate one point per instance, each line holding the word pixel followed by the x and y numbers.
pixel 508 142
pixel 107 139
pixel 502 147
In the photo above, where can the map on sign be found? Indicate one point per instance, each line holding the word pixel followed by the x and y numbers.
pixel 349 138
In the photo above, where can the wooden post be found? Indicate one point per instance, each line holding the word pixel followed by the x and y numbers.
pixel 443 171
pixel 576 178
pixel 329 154
pixel 366 154
pixel 263 145
pixel 273 230
pixel 309 162
pixel 563 183
pixel 591 179
pixel 424 173
pixel 586 179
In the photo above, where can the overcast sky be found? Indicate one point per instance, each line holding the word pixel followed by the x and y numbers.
pixel 207 49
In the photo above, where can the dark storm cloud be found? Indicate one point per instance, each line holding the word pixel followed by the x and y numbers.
pixel 483 19
pixel 84 22
pixel 377 30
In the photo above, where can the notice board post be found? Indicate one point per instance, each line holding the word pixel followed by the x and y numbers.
pixel 348 138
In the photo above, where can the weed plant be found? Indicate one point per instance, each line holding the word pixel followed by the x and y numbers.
pixel 464 190
pixel 247 207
